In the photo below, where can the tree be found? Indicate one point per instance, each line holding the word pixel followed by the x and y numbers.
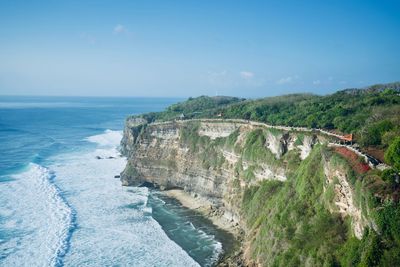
pixel 392 155
pixel 374 132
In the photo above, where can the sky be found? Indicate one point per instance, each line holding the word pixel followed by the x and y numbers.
pixel 190 48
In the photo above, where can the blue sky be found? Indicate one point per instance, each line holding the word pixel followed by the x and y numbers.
pixel 189 48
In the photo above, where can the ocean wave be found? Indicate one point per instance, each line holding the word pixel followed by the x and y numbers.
pixel 43 207
pixel 42 218
pixel 109 138
pixel 69 216
pixel 116 226
pixel 217 248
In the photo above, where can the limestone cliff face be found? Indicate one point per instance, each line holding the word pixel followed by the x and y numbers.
pixel 132 129
pixel 344 197
pixel 179 154
pixel 218 160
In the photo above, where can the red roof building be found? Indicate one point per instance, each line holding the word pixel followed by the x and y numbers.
pixel 347 137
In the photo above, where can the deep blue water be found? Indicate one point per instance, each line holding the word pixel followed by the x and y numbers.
pixel 34 128
pixel 61 206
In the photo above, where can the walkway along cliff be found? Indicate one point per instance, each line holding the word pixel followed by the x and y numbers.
pixel 277 185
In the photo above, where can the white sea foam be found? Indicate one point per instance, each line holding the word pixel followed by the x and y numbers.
pixel 108 139
pixel 75 213
pixel 114 223
pixel 38 217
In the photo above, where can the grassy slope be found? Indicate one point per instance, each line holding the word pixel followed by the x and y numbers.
pixel 290 223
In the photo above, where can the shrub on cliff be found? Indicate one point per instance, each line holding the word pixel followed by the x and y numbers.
pixel 392 155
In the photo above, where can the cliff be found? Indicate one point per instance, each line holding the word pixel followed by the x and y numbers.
pixel 278 186
pixel 205 158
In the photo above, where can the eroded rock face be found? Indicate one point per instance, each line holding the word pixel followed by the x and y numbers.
pixel 158 154
pixel 132 128
pixel 215 130
pixel 276 144
pixel 307 145
pixel 159 157
pixel 344 198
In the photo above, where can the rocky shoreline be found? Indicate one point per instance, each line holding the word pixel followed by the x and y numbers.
pixel 233 257
pixel 205 207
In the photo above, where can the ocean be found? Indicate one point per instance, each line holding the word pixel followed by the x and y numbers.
pixel 60 205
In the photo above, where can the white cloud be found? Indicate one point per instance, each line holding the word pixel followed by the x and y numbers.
pixel 316 82
pixel 343 82
pixel 120 29
pixel 287 80
pixel 247 75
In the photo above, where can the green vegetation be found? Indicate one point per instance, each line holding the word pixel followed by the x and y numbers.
pixel 203 106
pixel 296 223
pixel 372 114
pixel 289 221
pixel 345 110
pixel 300 139
pixel 231 140
pixel 291 224
pixel 392 155
pixel 375 131
pixel 255 150
pixel 381 128
pixel 210 155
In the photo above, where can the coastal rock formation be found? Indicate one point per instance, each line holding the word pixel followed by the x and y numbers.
pixel 132 128
pixel 344 197
pixel 159 154
pixel 219 161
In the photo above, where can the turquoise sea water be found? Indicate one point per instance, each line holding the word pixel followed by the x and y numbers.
pixel 61 206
